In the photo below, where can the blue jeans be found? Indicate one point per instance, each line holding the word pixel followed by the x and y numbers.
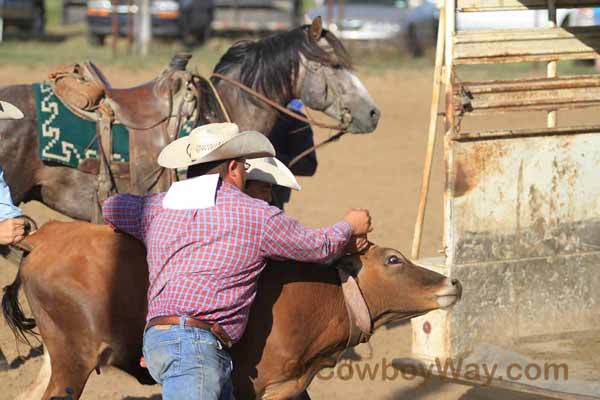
pixel 190 363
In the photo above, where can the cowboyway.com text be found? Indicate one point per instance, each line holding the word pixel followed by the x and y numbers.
pixel 446 370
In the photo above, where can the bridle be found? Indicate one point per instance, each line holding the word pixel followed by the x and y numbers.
pixel 341 128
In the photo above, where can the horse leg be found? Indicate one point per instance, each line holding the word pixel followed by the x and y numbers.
pixel 68 378
pixel 39 385
pixel 68 191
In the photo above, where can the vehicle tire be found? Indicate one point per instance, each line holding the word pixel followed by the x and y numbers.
pixel 96 39
pixel 414 45
pixel 37 27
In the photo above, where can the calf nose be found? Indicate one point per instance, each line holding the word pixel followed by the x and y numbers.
pixel 375 114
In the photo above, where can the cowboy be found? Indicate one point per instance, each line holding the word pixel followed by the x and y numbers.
pixel 207 244
pixel 266 173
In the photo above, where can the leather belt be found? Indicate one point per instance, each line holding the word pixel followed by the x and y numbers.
pixel 215 328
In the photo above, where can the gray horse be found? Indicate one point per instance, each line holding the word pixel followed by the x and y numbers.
pixel 308 63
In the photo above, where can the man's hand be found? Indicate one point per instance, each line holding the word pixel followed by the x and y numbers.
pixel 12 230
pixel 360 220
pixel 357 244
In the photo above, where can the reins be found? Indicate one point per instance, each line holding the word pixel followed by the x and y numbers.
pixel 341 128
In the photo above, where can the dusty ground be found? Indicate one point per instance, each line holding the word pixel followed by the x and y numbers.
pixel 381 172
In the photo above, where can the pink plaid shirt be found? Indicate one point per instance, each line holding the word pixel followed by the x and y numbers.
pixel 205 263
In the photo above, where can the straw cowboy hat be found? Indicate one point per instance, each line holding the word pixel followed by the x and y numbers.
pixel 214 142
pixel 271 170
pixel 8 111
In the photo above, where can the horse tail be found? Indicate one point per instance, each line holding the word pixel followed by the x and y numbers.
pixel 18 323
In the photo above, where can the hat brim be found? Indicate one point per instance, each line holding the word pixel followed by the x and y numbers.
pixel 273 171
pixel 249 145
pixel 9 111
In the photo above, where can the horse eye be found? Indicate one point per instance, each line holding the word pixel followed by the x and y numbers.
pixel 337 66
pixel 391 260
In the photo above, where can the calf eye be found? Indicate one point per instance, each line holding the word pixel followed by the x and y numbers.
pixel 393 260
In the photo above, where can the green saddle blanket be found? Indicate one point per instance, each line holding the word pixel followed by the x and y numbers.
pixel 67 139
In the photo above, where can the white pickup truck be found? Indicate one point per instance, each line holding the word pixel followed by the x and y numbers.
pixel 523 19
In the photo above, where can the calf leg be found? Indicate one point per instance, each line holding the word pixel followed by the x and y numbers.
pixel 39 385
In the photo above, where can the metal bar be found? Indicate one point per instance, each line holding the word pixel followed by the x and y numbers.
pixel 552 65
pixel 524 133
pixel 507 5
pixel 433 120
pixel 520 45
pixel 545 94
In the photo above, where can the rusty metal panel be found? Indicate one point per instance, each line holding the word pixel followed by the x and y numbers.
pixel 526 94
pixel 520 45
pixel 522 234
pixel 524 197
pixel 522 228
pixel 506 5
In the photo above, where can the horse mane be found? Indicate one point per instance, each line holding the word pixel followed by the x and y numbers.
pixel 271 65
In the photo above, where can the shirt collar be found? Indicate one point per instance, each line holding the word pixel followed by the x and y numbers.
pixel 192 194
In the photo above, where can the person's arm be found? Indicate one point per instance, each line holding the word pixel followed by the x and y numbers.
pixel 7 209
pixel 12 229
pixel 126 213
pixel 285 238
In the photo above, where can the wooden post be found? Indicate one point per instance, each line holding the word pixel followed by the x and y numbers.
pixel 130 26
pixel 433 120
pixel 329 13
pixel 552 65
pixel 115 26
pixel 143 27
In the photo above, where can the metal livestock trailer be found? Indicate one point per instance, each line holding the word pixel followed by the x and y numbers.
pixel 521 213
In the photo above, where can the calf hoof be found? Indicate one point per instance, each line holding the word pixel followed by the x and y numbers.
pixel 3 362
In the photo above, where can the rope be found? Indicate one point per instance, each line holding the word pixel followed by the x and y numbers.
pixel 315 147
pixel 218 97
pixel 340 127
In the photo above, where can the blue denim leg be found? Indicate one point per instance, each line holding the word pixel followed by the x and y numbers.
pixel 189 363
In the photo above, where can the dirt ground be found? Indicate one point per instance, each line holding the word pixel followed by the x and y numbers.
pixel 381 172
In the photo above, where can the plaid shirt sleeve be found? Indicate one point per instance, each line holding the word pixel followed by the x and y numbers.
pixel 129 213
pixel 285 238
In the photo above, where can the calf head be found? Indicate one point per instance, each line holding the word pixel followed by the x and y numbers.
pixel 394 288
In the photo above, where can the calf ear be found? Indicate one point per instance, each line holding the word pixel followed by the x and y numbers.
pixel 316 28
pixel 350 264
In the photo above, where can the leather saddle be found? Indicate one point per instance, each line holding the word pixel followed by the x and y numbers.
pixel 139 106
pixel 84 87
pixel 152 112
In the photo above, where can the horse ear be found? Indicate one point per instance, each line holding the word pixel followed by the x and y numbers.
pixel 316 28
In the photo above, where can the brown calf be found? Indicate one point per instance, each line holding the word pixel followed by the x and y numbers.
pixel 86 286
